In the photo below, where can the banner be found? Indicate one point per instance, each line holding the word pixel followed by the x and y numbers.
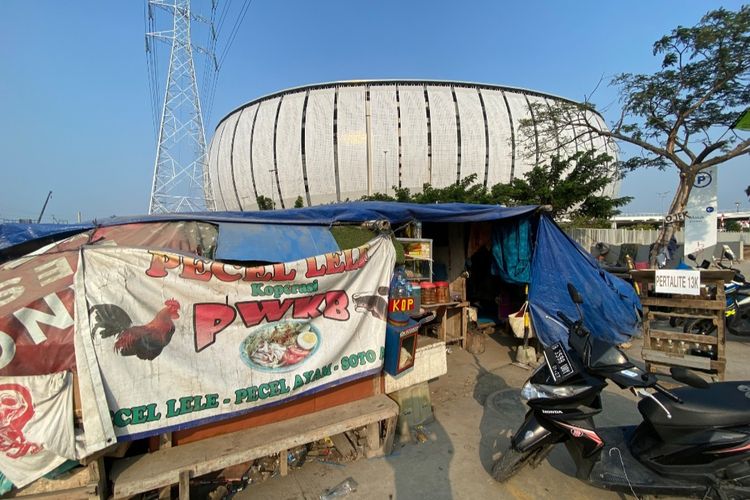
pixel 180 340
pixel 36 425
pixel 700 226
pixel 37 293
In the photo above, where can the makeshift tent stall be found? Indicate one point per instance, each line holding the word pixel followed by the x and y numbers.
pixel 258 316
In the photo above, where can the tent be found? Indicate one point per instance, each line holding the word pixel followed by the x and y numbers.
pixel 229 279
pixel 551 257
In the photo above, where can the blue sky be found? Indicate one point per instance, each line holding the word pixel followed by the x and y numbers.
pixel 76 115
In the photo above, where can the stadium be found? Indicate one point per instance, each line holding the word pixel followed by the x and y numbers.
pixel 341 140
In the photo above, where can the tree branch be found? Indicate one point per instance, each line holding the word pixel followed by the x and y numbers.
pixel 742 148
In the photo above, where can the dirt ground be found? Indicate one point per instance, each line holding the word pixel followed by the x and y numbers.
pixel 476 409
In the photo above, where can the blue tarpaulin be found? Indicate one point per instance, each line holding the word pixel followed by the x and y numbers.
pixel 323 215
pixel 511 249
pixel 610 307
pixel 270 243
pixel 610 304
pixel 16 233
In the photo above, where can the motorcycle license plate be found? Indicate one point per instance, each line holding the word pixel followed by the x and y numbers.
pixel 558 362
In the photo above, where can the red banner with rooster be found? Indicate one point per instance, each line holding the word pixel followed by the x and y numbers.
pixel 180 340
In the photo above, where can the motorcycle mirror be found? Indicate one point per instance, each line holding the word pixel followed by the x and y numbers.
pixel 688 377
pixel 705 264
pixel 574 295
pixel 691 257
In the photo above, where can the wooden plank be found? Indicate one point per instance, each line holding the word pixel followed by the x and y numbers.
pixel 663 368
pixel 685 337
pixel 345 393
pixel 683 303
pixel 97 487
pixel 185 485
pixel 284 462
pixel 670 314
pixel 80 492
pixel 75 480
pixel 390 433
pixel 373 439
pixel 165 441
pixel 686 360
pixel 160 468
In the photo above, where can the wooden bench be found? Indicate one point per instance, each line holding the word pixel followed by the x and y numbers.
pixel 178 464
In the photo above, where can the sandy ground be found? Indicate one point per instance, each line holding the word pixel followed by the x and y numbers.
pixel 476 409
pixel 473 423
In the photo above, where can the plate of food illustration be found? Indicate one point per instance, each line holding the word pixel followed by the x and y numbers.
pixel 280 346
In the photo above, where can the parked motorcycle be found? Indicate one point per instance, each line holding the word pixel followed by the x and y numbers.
pixel 693 441
pixel 737 292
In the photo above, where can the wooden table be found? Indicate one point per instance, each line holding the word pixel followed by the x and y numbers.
pixel 453 320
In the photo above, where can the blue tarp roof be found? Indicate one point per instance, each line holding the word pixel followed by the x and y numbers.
pixel 16 233
pixel 272 243
pixel 356 211
pixel 610 303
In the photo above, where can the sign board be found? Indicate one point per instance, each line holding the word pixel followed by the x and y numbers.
pixel 181 340
pixel 677 217
pixel 682 282
pixel 700 226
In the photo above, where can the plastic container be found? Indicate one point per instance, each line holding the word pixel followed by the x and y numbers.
pixel 428 293
pixel 416 293
pixel 442 295
pixel 400 292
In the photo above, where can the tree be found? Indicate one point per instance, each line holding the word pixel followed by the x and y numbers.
pixel 571 186
pixel 680 116
pixel 299 202
pixel 733 227
pixel 264 203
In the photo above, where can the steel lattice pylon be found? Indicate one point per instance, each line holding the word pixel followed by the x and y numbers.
pixel 181 182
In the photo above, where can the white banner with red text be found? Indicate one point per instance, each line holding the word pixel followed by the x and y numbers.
pixel 36 425
pixel 181 340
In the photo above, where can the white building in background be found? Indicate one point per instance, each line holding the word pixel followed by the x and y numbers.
pixel 342 140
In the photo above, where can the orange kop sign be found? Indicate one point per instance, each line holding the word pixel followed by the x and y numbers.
pixel 403 304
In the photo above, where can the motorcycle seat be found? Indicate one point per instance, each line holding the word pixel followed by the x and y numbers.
pixel 723 404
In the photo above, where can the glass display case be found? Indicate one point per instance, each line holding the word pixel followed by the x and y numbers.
pixel 418 257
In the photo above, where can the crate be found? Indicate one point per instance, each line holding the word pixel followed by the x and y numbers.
pixel 657 353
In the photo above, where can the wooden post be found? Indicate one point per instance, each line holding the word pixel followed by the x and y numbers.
pixel 283 462
pixel 165 441
pixel 97 487
pixel 390 433
pixel 185 485
pixel 373 440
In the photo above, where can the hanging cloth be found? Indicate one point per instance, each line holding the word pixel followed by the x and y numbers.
pixel 511 249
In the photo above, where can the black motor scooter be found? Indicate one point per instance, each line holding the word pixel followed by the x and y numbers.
pixel 693 441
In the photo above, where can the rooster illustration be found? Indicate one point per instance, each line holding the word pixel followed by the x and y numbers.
pixel 146 341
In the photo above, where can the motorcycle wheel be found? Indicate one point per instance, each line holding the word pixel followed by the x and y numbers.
pixel 510 463
pixel 700 327
pixel 739 322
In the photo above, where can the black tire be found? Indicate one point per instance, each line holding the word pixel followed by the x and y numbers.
pixel 510 463
pixel 700 327
pixel 739 322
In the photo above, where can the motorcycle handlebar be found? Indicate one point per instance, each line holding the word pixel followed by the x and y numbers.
pixel 574 326
pixel 568 322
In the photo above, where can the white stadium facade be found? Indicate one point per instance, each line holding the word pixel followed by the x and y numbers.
pixel 339 141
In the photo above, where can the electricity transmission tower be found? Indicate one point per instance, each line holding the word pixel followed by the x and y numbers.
pixel 181 182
